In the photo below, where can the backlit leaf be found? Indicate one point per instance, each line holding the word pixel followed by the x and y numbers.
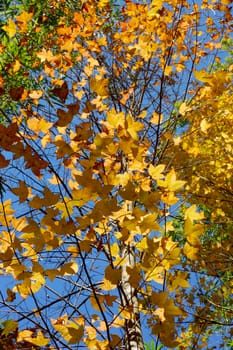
pixel 100 87
pixel 156 172
pixel 9 326
pixel 10 28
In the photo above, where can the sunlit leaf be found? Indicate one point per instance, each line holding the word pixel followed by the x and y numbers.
pixel 10 28
pixel 100 87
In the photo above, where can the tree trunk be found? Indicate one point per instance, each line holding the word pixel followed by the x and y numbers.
pixel 133 332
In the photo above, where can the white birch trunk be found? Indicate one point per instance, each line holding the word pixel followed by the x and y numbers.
pixel 133 331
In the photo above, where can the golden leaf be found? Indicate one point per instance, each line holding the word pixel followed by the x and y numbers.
pixel 133 127
pixel 193 214
pixel 170 182
pixel 114 249
pixel 100 87
pixel 69 330
pixel 156 118
pixel 169 198
pixel 160 313
pixel 149 222
pixel 36 94
pixel 204 126
pixel 190 251
pixel 38 340
pixel 156 172
pixel 10 28
pixel 181 280
pixel 45 55
pixel 70 268
pixel 168 70
pixel 203 76
pixel 95 304
pixel 111 279
pixel 184 108
pixel 24 16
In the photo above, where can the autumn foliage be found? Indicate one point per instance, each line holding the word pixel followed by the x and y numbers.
pixel 115 174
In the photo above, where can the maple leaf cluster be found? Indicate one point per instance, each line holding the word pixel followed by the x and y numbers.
pixel 116 173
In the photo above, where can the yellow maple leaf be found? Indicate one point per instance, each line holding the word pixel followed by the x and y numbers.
pixel 202 76
pixel 29 336
pixel 39 125
pixel 69 330
pixel 156 118
pixel 16 66
pixel 133 127
pixel 100 87
pixel 156 172
pixel 95 304
pixel 169 198
pixel 115 119
pixel 193 214
pixel 45 55
pixel 36 94
pixel 154 8
pixel 24 16
pixel 6 207
pixel 184 108
pixel 190 251
pixel 170 182
pixel 70 268
pixel 180 280
pixel 114 249
pixel 160 313
pixel 10 28
pixel 23 19
pixel 168 70
pixel 149 222
pixel 156 274
pixel 39 340
pixel 111 279
pixel 204 125
pixel 171 310
pixel 24 288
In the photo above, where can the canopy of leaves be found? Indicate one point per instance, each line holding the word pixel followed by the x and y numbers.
pixel 112 134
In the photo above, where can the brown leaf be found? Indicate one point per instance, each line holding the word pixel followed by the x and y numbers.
pixel 61 92
pixel 16 93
